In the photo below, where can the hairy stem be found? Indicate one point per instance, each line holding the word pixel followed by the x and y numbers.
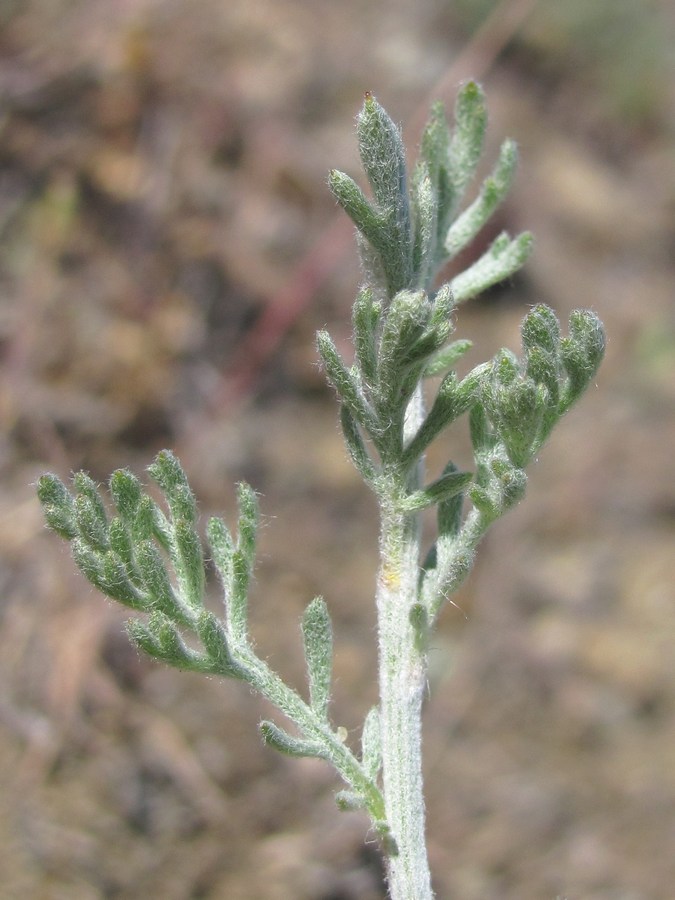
pixel 402 682
pixel 403 670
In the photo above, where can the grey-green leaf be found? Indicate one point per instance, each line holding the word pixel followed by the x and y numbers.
pixel 503 258
pixel 168 473
pixel 189 563
pixel 317 636
pixel 213 637
pixel 495 188
pixel 448 485
pixel 58 506
pixel 126 492
pixel 345 382
pixel 468 138
pixel 356 446
pixel 287 744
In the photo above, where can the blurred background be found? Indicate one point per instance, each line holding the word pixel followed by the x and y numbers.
pixel 169 247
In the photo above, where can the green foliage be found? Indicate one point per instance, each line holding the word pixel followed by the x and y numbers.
pixel 151 558
pixel 154 562
pixel 317 635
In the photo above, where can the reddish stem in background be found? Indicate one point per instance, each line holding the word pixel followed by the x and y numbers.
pixel 316 265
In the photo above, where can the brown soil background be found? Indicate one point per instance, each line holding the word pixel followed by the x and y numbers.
pixel 162 180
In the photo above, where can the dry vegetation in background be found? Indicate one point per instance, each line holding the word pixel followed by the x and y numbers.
pixel 169 247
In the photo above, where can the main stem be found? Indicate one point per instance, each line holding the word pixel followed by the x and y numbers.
pixel 403 673
pixel 402 683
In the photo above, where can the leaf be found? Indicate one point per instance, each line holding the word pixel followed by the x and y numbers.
pixel 222 548
pixel 213 637
pixel 287 744
pixel 493 191
pixel 467 141
pixel 58 506
pixel 117 585
pixel 386 838
pixel 317 636
pixel 404 326
pixel 121 545
pixel 448 485
pixel 405 321
pixel 511 481
pixel 582 353
pixel 383 159
pixel 354 202
pixel 87 487
pixel 89 562
pixel 234 568
pixel 356 447
pixel 126 493
pixel 541 329
pixel 106 573
pixel 366 316
pixel 247 531
pixel 143 638
pixel 446 357
pixel 483 437
pixel 90 513
pixel 449 513
pixel 169 644
pixel 151 522
pixel 425 206
pixel 157 582
pixel 435 144
pixel 188 561
pixel 451 401
pixel 92 528
pixel 484 502
pixel 168 473
pixel 345 382
pixel 503 258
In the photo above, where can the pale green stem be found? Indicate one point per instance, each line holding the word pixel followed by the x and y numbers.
pixel 403 671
